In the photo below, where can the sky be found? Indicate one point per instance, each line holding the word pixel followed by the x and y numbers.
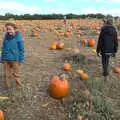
pixel 60 7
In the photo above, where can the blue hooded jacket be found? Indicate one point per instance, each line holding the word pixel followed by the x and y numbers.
pixel 13 48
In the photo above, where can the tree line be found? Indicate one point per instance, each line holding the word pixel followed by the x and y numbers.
pixel 8 16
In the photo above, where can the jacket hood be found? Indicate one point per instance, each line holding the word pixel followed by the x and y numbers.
pixel 109 29
pixel 9 37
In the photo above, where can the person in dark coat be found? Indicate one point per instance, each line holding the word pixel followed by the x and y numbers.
pixel 107 45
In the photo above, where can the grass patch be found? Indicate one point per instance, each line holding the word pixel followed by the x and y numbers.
pixel 93 106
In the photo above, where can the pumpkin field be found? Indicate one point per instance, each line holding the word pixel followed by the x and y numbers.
pixel 62 74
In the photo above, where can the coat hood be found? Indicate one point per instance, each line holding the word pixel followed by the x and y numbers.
pixel 109 29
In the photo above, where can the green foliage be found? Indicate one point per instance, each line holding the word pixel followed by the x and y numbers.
pixel 100 106
pixel 4 104
pixel 7 16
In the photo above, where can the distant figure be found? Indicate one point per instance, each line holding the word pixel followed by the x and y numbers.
pixel 12 54
pixel 65 20
pixel 107 45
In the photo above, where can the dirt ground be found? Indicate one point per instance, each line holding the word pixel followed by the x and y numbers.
pixel 32 101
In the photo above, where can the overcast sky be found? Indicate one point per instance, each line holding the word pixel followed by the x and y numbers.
pixel 60 6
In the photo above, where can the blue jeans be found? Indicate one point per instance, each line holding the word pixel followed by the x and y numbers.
pixel 105 64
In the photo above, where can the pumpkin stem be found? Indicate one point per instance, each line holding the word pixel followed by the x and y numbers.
pixel 63 76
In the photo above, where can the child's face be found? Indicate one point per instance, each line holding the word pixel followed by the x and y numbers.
pixel 10 30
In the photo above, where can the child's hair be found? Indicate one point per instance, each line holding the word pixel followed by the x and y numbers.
pixel 11 24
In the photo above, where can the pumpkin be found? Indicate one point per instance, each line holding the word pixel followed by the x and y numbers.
pixel 67 67
pixel 60 45
pixel 94 50
pixel 84 42
pixel 91 43
pixel 2 115
pixel 53 47
pixel 116 70
pixel 66 34
pixel 35 34
pixel 79 71
pixel 55 42
pixel 58 88
pixel 84 76
pixel 61 34
pixel 78 36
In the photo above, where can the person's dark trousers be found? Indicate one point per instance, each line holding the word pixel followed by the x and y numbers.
pixel 105 64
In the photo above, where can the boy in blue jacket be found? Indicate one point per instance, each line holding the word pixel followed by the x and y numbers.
pixel 12 54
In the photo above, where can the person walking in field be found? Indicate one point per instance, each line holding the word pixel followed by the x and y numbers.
pixel 107 45
pixel 12 54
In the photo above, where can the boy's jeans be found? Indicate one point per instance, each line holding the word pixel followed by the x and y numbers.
pixel 11 71
pixel 105 64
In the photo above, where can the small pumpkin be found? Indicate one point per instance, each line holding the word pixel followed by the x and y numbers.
pixel 60 45
pixel 78 36
pixel 66 34
pixel 79 71
pixel 84 42
pixel 116 70
pixel 2 115
pixel 91 43
pixel 94 50
pixel 55 42
pixel 58 88
pixel 67 67
pixel 53 47
pixel 84 76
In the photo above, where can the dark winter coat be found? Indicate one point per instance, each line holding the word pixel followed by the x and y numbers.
pixel 107 42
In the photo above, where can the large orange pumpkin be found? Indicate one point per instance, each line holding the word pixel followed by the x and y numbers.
pixel 58 88
pixel 2 115
pixel 67 67
pixel 91 43
pixel 84 76
pixel 116 70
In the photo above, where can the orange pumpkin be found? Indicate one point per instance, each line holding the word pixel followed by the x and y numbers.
pixel 116 70
pixel 53 47
pixel 84 76
pixel 60 45
pixel 55 42
pixel 84 42
pixel 67 67
pixel 78 36
pixel 2 115
pixel 91 43
pixel 58 88
pixel 66 34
